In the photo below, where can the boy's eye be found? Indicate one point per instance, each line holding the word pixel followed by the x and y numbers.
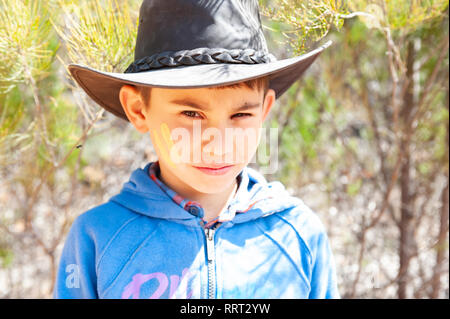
pixel 242 115
pixel 193 114
pixel 189 113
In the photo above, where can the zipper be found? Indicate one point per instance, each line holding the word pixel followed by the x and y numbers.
pixel 210 254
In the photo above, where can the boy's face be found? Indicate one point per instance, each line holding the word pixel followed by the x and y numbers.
pixel 203 127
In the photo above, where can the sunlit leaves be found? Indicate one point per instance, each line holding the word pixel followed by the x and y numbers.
pixel 99 33
pixel 309 20
pixel 25 51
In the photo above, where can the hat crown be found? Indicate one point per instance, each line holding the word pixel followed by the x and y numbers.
pixel 174 25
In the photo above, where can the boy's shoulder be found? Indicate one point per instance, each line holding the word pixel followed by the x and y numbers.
pixel 306 219
pixel 305 223
pixel 101 226
pixel 103 220
pixel 291 209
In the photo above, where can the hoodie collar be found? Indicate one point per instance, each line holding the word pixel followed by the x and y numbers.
pixel 146 194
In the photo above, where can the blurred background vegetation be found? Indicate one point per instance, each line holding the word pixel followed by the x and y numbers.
pixel 364 135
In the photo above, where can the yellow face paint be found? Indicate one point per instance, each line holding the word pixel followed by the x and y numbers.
pixel 165 144
pixel 166 135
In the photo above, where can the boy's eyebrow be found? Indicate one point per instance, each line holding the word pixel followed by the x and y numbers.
pixel 188 102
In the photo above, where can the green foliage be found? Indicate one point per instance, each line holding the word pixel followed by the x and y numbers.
pixel 309 21
pixel 404 15
pixel 25 51
pixel 36 114
pixel 6 257
pixel 14 137
pixel 11 112
pixel 354 187
pixel 93 36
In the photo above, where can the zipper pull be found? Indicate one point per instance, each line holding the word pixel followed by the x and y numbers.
pixel 210 243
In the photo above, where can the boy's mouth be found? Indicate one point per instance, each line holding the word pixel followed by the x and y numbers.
pixel 214 169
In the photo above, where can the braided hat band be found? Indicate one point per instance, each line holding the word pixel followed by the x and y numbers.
pixel 199 56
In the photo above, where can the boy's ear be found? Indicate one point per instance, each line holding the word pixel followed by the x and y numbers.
pixel 134 108
pixel 269 101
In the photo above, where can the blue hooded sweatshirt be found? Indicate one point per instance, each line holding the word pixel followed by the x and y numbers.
pixel 144 244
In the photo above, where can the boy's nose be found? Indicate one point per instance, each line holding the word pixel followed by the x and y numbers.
pixel 219 146
pixel 218 154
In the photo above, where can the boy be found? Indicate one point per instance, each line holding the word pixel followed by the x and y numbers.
pixel 197 223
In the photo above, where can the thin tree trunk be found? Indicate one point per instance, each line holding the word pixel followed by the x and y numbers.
pixel 442 241
pixel 406 245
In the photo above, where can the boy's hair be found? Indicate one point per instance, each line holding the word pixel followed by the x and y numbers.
pixel 258 84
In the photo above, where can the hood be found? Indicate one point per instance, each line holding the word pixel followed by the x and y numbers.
pixel 254 198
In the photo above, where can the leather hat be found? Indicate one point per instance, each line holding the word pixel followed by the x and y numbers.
pixel 194 44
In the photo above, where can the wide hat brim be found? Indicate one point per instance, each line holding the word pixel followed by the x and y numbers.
pixel 104 87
